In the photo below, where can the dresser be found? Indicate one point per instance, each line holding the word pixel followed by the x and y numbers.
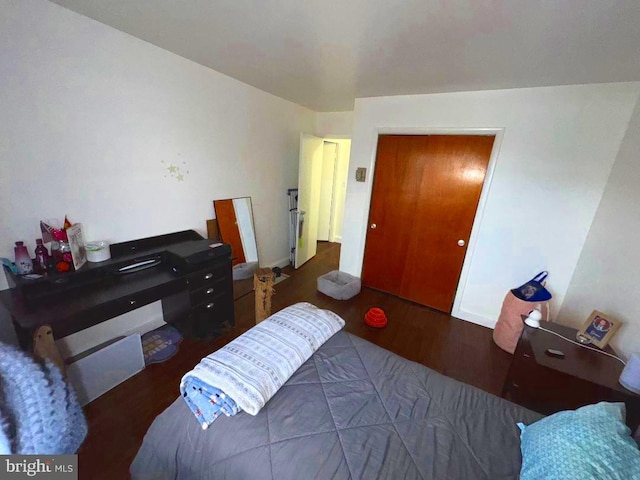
pixel 548 385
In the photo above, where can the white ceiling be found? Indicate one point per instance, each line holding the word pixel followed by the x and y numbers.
pixel 325 53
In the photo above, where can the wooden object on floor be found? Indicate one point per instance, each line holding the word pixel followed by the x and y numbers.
pixel 263 281
pixel 44 347
pixel 548 385
pixel 426 190
pixel 212 230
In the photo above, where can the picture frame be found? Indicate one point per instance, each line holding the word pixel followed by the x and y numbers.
pixel 599 328
pixel 76 245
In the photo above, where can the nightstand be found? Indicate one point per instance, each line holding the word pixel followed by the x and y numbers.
pixel 547 385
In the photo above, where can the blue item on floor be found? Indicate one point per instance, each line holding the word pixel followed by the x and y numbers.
pixel 161 344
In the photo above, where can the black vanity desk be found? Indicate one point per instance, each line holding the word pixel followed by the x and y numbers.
pixel 196 295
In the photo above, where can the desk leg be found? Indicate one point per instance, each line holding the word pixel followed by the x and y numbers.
pixel 7 328
pixel 176 308
pixel 24 336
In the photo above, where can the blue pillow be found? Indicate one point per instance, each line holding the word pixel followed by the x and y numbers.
pixel 591 442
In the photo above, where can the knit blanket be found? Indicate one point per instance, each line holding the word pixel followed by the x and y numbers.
pixel 247 372
pixel 39 411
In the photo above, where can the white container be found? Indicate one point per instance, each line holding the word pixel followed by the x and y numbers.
pixel 242 271
pixel 99 370
pixel 97 251
pixel 339 285
pixel 630 377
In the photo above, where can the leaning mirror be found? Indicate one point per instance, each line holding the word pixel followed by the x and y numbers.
pixel 234 217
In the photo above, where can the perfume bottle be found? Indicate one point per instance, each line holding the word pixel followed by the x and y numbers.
pixel 42 257
pixel 61 252
pixel 23 260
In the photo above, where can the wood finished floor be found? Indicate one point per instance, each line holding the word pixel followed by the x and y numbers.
pixel 119 419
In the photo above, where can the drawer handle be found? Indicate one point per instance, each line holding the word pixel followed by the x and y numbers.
pixel 209 291
pixel 515 385
pixel 210 305
pixel 526 355
pixel 208 276
pixel 132 302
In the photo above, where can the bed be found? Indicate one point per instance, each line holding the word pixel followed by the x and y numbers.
pixel 353 410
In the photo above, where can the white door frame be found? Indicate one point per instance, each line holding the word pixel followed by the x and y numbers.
pixel 477 220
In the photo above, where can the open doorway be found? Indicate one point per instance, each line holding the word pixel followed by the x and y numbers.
pixel 333 188
pixel 322 182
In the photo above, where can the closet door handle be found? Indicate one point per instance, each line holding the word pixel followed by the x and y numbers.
pixel 373 226
pixel 461 243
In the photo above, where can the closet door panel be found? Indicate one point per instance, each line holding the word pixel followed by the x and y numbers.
pixel 393 205
pixel 451 182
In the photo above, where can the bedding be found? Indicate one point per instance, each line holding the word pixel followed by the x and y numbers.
pixel 353 410
pixel 592 442
pixel 247 372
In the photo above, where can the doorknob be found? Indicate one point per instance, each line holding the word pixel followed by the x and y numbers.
pixel 373 226
pixel 461 243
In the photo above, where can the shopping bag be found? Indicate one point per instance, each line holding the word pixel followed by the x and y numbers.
pixel 533 290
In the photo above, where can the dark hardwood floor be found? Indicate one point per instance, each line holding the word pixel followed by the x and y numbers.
pixel 119 419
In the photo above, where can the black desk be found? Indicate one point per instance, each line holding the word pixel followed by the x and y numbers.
pixel 197 301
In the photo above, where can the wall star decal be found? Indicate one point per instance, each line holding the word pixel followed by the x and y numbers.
pixel 175 171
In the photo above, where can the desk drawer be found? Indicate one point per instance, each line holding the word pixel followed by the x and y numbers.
pixel 215 274
pixel 212 293
pixel 122 305
pixel 213 317
pixel 214 308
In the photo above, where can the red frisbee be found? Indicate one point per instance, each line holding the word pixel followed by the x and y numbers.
pixel 375 317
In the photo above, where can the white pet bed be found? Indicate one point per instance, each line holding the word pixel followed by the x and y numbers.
pixel 242 271
pixel 339 285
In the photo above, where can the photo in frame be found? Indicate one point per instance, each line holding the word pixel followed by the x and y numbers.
pixel 599 328
pixel 76 245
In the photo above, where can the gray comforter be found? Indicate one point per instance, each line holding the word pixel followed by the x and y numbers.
pixel 353 410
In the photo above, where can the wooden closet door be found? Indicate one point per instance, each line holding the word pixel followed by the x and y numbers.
pixel 396 184
pixel 435 203
pixel 452 181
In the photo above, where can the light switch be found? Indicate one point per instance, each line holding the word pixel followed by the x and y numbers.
pixel 361 174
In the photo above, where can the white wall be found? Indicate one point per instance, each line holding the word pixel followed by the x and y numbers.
pixel 92 118
pixel 558 147
pixel 334 124
pixel 90 114
pixel 606 277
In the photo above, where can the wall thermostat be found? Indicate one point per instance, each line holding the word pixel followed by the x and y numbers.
pixel 361 174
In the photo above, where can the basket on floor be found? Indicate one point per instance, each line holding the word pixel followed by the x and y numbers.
pixel 339 285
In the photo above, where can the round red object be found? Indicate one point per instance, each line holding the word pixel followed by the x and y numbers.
pixel 375 317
